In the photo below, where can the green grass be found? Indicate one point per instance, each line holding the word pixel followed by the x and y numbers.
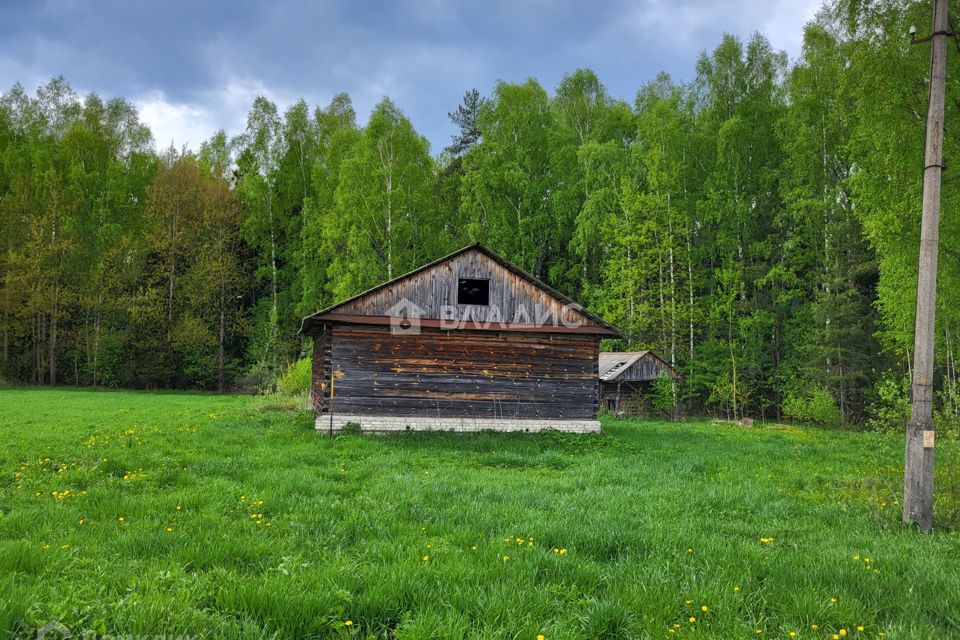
pixel 407 536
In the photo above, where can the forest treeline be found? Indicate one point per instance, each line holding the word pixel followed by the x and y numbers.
pixel 758 226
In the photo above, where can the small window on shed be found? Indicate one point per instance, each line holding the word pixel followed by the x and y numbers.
pixel 473 291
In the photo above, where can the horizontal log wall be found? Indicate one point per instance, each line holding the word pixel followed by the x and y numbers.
pixel 321 371
pixel 462 374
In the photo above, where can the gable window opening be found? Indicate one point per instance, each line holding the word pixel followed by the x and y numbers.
pixel 474 291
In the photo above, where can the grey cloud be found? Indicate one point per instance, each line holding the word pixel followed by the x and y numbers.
pixel 198 64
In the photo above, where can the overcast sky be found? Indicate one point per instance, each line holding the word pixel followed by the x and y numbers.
pixel 193 67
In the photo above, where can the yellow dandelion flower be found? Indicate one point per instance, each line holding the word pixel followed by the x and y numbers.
pixel 814 626
pixel 690 550
pixel 563 552
pixel 348 623
pixel 505 558
pixel 860 628
pixel 426 558
pixel 540 636
pixel 169 530
pixel 688 602
pixel 793 634
pixel 693 619
pixel 736 589
pixel 843 633
pixel 704 608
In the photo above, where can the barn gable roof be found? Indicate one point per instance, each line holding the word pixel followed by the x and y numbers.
pixel 345 311
pixel 613 364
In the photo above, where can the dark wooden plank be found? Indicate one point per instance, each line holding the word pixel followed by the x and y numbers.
pixel 468 374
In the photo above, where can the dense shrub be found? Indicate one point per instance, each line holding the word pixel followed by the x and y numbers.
pixel 296 379
pixel 890 409
pixel 663 394
pixel 814 405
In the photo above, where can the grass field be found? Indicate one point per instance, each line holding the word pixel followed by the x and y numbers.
pixel 139 513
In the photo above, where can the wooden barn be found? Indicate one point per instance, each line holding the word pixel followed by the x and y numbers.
pixel 627 375
pixel 465 343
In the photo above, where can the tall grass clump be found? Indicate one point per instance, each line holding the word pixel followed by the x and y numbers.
pixel 295 380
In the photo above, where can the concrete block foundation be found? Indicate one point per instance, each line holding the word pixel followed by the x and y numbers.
pixel 395 424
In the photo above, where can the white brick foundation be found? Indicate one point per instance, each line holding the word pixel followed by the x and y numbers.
pixel 393 424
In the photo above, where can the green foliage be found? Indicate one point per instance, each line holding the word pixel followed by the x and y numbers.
pixel 351 429
pixel 187 472
pixel 296 379
pixel 890 409
pixel 118 265
pixel 812 405
pixel 664 394
pixel 948 428
pixel 195 344
pixel 384 208
pixel 948 418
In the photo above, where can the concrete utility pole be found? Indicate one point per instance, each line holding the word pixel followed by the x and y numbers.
pixel 918 456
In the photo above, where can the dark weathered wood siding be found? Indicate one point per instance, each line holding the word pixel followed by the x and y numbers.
pixel 647 368
pixel 459 373
pixel 321 371
pixel 513 299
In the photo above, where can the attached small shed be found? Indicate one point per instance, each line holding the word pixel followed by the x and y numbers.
pixel 465 343
pixel 624 374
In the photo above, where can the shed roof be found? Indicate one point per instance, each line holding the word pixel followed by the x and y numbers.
pixel 613 364
pixel 601 326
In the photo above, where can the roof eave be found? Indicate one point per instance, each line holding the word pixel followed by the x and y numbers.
pixel 307 328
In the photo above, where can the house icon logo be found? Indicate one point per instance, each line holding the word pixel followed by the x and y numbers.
pixel 405 317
